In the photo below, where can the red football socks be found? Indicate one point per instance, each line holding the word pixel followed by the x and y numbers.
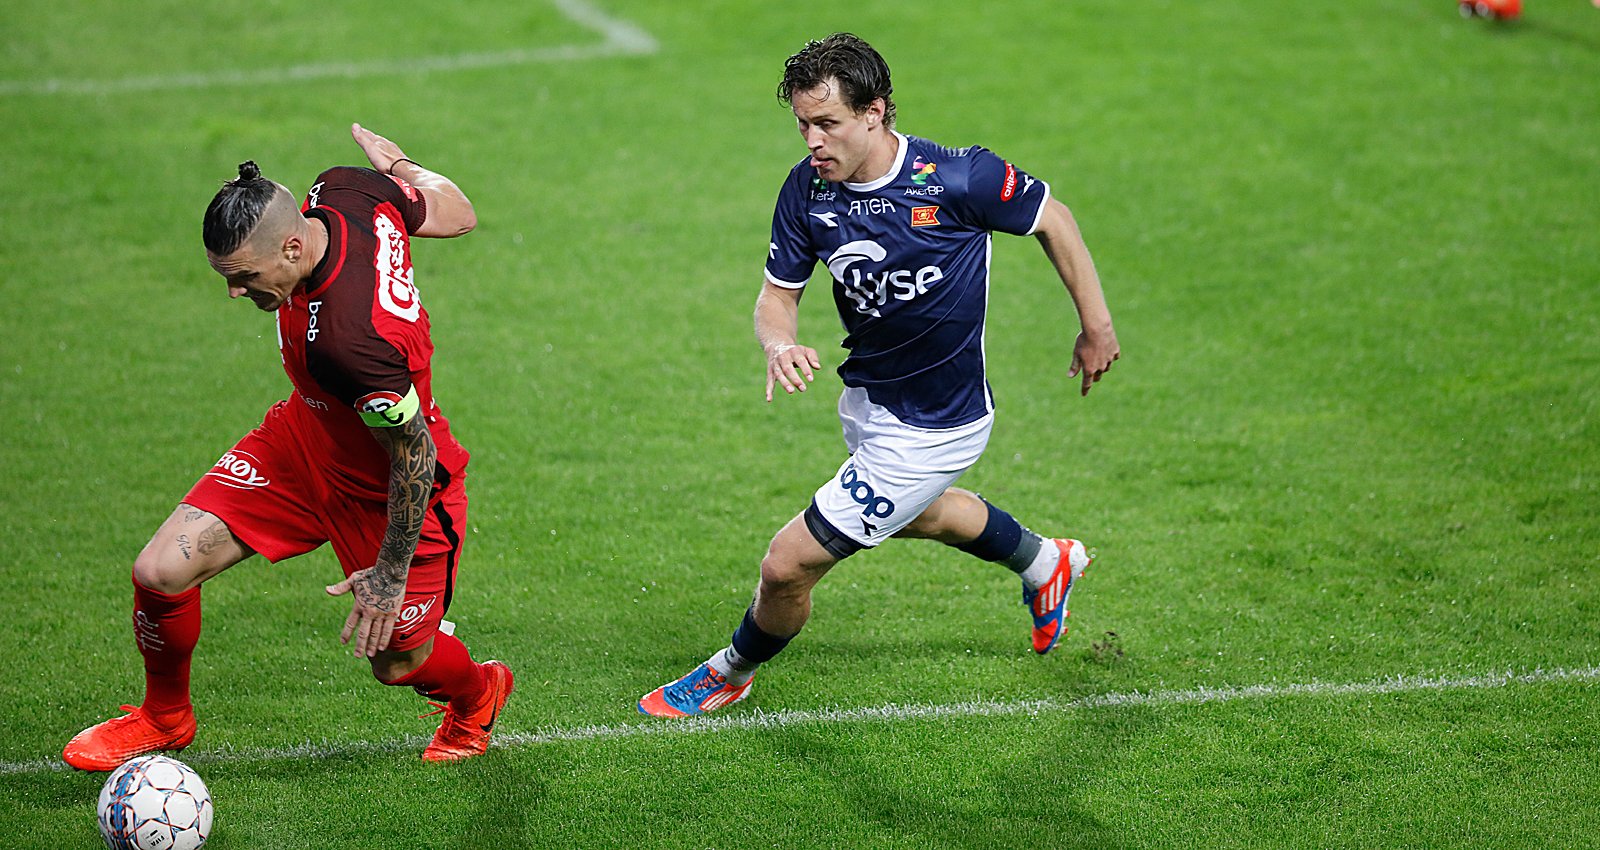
pixel 167 629
pixel 448 674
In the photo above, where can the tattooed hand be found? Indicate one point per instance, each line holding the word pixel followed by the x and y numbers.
pixel 377 592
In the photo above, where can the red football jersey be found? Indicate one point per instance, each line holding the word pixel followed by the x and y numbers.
pixel 354 337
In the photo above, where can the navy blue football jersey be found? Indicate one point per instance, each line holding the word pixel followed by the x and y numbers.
pixel 909 256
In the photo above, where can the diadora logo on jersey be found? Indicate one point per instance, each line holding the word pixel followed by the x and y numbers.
pixel 311 324
pixel 411 192
pixel 924 216
pixel 923 169
pixel 1008 187
pixel 393 263
pixel 872 290
pixel 237 469
pixel 381 402
pixel 413 611
pixel 313 197
pixel 828 218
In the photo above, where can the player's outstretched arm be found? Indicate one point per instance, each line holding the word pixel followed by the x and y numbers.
pixel 777 325
pixel 449 211
pixel 379 589
pixel 1096 346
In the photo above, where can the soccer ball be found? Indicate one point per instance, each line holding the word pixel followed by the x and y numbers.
pixel 1500 10
pixel 154 803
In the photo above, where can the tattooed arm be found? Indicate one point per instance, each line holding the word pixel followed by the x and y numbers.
pixel 379 589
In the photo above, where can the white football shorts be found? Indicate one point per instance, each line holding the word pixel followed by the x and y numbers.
pixel 895 471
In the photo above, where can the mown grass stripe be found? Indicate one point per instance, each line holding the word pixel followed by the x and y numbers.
pixel 759 720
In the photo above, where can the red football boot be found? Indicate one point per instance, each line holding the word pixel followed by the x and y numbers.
pixel 106 745
pixel 464 734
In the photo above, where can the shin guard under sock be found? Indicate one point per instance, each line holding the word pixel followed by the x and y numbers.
pixel 448 673
pixel 167 627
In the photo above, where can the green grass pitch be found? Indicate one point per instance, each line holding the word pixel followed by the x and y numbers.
pixel 1353 252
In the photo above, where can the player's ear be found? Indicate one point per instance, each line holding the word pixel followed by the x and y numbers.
pixel 293 247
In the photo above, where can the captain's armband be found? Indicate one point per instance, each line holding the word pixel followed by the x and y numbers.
pixel 384 409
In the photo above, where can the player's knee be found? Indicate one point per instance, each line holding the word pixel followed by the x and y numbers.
pixel 782 577
pixel 161 572
pixel 388 671
pixel 391 666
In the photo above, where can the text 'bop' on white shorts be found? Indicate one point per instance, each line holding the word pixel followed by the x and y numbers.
pixel 895 471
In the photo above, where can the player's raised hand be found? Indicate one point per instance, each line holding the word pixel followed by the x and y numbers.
pixel 377 605
pixel 791 366
pixel 381 152
pixel 1092 356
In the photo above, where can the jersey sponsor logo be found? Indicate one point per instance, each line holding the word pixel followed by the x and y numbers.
pixel 871 206
pixel 924 216
pixel 396 293
pixel 863 494
pixel 828 218
pixel 824 196
pixel 872 290
pixel 411 192
pixel 382 403
pixel 238 470
pixel 314 196
pixel 924 190
pixel 1008 188
pixel 311 324
pixel 314 404
pixel 413 611
pixel 923 169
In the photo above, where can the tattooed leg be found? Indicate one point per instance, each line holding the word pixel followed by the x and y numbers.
pixel 190 547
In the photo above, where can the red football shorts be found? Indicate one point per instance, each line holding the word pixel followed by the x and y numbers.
pixel 268 492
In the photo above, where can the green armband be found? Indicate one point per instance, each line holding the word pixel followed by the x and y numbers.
pixel 386 409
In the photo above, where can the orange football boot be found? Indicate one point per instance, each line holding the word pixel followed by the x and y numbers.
pixel 106 745
pixel 464 734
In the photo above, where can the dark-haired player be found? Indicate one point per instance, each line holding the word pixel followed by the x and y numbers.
pixel 903 225
pixel 359 455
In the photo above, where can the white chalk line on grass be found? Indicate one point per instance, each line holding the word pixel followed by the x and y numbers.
pixel 760 720
pixel 621 38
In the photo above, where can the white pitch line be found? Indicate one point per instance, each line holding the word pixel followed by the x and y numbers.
pixel 760 720
pixel 621 38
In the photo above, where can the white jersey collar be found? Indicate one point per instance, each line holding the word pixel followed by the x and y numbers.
pixel 890 175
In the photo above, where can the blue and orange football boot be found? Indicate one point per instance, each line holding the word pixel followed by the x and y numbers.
pixel 1048 604
pixel 703 690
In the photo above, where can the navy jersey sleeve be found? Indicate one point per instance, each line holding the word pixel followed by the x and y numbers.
pixel 381 188
pixel 1000 196
pixel 790 257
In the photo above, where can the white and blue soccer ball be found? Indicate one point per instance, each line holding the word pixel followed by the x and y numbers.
pixel 154 803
